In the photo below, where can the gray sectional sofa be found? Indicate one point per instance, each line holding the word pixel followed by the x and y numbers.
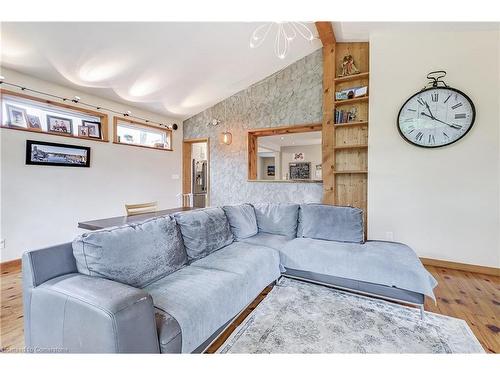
pixel 172 284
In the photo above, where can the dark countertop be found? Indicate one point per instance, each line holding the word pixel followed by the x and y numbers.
pixel 121 220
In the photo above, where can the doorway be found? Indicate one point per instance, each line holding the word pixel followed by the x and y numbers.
pixel 196 173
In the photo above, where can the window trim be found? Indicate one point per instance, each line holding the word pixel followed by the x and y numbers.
pixel 252 146
pixel 102 116
pixel 117 119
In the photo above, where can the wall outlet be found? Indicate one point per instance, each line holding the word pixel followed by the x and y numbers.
pixel 175 177
pixel 2 243
pixel 389 236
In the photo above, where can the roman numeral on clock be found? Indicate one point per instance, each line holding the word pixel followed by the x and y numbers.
pixel 431 139
pixel 435 97
pixel 456 105
pixel 419 136
pixel 460 115
pixel 447 99
pixel 420 101
pixel 446 135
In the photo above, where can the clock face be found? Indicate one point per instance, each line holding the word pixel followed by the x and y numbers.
pixel 436 117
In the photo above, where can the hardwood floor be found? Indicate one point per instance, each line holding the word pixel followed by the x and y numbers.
pixel 469 296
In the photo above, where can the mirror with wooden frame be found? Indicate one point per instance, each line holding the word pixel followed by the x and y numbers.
pixel 285 154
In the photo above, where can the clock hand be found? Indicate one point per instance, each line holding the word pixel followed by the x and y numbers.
pixel 435 119
pixel 429 109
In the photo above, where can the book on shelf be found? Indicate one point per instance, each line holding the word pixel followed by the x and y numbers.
pixel 344 116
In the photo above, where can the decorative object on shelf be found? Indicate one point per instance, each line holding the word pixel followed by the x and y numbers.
pixel 286 32
pixel 57 154
pixel 348 67
pixel 57 124
pixel 271 170
pixel 436 116
pixel 318 174
pixel 94 128
pixel 17 116
pixel 226 138
pixel 351 92
pixel 298 156
pixel 34 122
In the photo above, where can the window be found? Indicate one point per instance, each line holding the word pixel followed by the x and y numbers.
pixel 135 133
pixel 285 154
pixel 28 113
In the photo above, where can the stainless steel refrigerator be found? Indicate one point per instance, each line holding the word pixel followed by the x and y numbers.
pixel 199 189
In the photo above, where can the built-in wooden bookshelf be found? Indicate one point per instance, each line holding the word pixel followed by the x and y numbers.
pixel 344 145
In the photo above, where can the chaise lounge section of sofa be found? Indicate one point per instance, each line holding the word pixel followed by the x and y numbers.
pixel 172 284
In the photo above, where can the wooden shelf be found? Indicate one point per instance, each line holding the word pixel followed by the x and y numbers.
pixel 353 77
pixel 141 146
pixel 339 103
pixel 347 124
pixel 350 172
pixel 349 147
pixel 50 133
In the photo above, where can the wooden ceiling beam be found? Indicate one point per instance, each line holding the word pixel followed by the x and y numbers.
pixel 325 31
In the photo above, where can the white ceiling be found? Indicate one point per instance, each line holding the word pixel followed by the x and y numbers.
pixel 174 69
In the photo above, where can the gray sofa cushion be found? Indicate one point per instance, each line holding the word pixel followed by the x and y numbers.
pixel 211 291
pixel 200 300
pixel 134 254
pixel 273 241
pixel 333 223
pixel 242 220
pixel 378 262
pixel 204 231
pixel 277 218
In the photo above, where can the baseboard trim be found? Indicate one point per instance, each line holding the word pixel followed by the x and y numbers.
pixel 461 266
pixel 10 266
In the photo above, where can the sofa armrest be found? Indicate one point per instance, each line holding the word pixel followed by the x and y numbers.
pixel 79 313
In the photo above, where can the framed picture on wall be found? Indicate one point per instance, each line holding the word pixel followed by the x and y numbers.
pixel 34 122
pixel 17 116
pixel 271 170
pixel 57 154
pixel 59 124
pixel 93 129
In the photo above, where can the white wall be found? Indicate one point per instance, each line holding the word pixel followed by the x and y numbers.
pixel 442 202
pixel 312 154
pixel 41 205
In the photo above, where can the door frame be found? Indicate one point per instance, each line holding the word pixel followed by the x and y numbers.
pixel 187 165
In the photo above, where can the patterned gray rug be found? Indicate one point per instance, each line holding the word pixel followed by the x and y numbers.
pixel 300 317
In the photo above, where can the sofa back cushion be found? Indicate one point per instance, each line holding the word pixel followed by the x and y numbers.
pixel 242 220
pixel 204 231
pixel 277 218
pixel 334 223
pixel 133 254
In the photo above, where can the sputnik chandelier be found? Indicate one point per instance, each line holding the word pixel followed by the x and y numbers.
pixel 286 32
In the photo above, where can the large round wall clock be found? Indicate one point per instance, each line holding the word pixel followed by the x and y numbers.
pixel 436 116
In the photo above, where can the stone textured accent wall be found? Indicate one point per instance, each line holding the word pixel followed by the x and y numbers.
pixel 292 96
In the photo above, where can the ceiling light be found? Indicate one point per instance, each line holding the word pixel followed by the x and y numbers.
pixel 285 34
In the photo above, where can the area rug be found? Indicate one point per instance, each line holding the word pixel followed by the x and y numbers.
pixel 301 317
